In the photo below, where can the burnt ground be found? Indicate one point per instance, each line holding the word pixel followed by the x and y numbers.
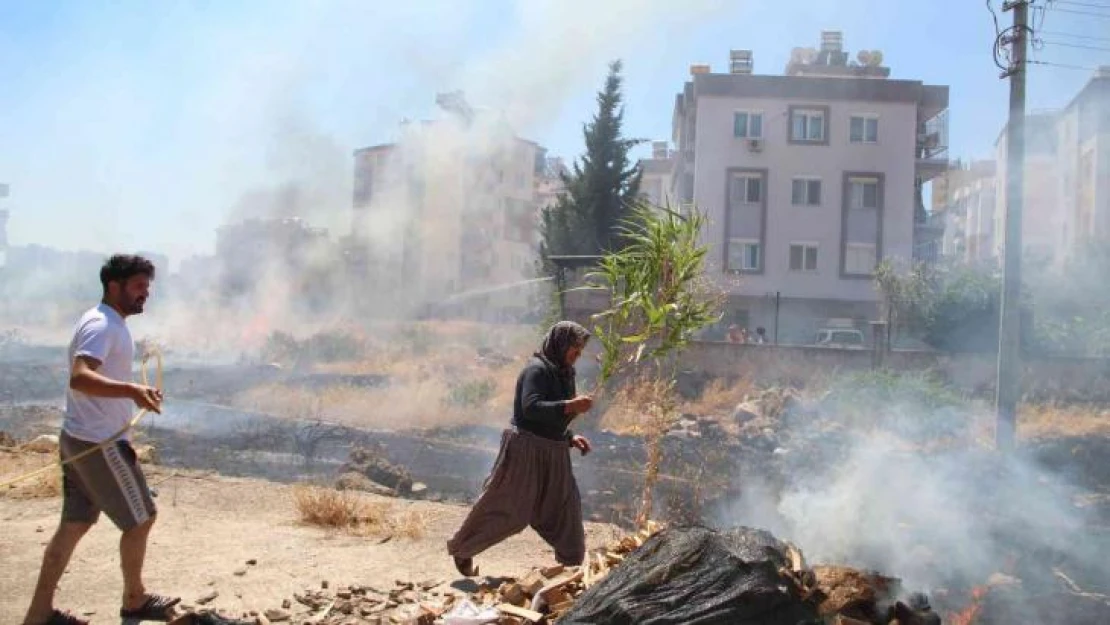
pixel 704 471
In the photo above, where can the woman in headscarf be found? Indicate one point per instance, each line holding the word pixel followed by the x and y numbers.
pixel 532 483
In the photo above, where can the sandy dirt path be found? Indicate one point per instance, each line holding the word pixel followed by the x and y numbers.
pixel 210 526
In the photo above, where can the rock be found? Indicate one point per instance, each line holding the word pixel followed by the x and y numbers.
pixel 43 444
pixel 146 454
pixel 208 597
pixel 324 584
pixel 277 614
pixel 285 603
pixel 355 481
pixel 379 470
pixel 252 562
pixel 240 572
pixel 6 440
pixel 745 411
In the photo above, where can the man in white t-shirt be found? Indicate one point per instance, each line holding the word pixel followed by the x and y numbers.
pixel 108 478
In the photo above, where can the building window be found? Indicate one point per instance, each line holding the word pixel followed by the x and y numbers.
pixel 864 193
pixel 807 125
pixel 864 129
pixel 859 259
pixel 747 125
pixel 803 257
pixel 747 189
pixel 805 192
pixel 743 255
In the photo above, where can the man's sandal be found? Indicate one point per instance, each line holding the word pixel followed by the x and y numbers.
pixel 155 608
pixel 57 617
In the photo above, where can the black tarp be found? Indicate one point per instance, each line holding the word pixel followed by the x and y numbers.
pixel 698 576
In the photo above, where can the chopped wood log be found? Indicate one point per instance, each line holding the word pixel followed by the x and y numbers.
pixel 511 593
pixel 532 583
pixel 540 599
pixel 529 615
pixel 552 571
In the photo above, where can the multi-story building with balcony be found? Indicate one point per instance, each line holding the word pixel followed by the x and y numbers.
pixel 449 209
pixel 1083 165
pixel 809 179
pixel 964 204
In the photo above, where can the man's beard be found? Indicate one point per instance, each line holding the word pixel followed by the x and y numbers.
pixel 135 306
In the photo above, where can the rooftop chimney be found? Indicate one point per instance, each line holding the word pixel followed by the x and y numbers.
pixel 699 69
pixel 740 61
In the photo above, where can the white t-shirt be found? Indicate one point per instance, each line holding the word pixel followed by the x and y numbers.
pixel 100 334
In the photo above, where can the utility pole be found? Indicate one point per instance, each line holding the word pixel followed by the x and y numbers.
pixel 1008 385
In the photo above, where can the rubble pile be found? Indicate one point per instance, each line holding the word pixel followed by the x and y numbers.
pixel 656 575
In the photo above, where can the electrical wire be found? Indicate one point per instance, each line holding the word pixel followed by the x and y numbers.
pixel 1076 45
pixel 1074 36
pixel 1092 5
pixel 1089 13
pixel 1062 65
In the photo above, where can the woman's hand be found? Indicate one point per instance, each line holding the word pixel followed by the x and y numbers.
pixel 579 405
pixel 581 443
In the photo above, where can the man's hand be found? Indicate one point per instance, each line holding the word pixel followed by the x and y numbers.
pixel 579 404
pixel 147 398
pixel 581 443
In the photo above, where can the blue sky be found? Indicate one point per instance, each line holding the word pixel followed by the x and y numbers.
pixel 137 125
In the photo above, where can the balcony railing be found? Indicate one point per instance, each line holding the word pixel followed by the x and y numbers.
pixel 932 137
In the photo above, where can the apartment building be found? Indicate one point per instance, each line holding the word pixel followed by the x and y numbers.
pixel 655 181
pixel 809 179
pixel 1043 222
pixel 964 201
pixel 450 208
pixel 1083 165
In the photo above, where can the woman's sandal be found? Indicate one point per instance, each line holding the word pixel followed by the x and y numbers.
pixel 155 608
pixel 466 566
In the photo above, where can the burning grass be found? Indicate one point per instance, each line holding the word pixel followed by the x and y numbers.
pixel 348 512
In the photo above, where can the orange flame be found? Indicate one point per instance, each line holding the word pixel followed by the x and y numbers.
pixel 970 614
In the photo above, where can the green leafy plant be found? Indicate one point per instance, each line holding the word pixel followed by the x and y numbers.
pixel 659 298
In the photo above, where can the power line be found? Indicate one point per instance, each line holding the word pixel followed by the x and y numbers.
pixel 1093 5
pixel 1090 13
pixel 1062 65
pixel 1076 45
pixel 1074 36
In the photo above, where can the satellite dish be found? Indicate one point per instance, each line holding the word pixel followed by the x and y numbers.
pixel 864 57
pixel 876 57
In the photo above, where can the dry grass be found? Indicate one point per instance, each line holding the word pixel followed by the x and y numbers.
pixel 422 362
pixel 348 512
pixel 46 485
pixel 720 397
pixel 1053 421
